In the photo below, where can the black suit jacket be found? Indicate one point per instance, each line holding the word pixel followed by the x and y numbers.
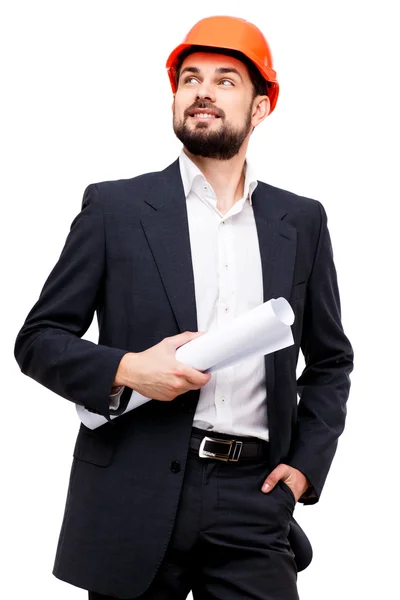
pixel 127 258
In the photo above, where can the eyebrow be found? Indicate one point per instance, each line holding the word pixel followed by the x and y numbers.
pixel 219 70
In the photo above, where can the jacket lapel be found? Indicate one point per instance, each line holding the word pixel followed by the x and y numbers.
pixel 277 240
pixel 166 227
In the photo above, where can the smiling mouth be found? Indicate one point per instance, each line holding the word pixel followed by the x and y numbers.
pixel 204 116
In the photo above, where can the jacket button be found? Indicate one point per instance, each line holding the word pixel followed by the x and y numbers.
pixel 175 466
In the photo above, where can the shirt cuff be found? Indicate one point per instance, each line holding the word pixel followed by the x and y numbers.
pixel 115 397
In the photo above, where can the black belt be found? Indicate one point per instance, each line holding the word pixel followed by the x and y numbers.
pixel 223 446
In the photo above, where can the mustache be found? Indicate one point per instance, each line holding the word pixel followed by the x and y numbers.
pixel 205 106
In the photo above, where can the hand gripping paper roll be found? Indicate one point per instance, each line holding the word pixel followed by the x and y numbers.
pixel 260 331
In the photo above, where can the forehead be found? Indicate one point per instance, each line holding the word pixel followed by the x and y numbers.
pixel 209 61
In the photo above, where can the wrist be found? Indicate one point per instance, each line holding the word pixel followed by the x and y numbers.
pixel 123 376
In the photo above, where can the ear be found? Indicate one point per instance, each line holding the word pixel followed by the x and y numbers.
pixel 261 109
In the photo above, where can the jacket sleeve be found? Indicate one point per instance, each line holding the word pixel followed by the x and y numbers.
pixel 324 385
pixel 49 347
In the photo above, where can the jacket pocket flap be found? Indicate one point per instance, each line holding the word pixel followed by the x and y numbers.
pixel 95 447
pixel 298 291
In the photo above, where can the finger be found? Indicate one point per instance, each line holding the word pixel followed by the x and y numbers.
pixel 183 338
pixel 280 472
pixel 194 377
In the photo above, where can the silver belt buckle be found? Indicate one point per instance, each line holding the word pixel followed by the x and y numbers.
pixel 234 449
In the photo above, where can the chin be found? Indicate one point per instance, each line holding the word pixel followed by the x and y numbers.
pixel 200 125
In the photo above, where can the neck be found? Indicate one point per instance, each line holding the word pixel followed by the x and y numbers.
pixel 225 176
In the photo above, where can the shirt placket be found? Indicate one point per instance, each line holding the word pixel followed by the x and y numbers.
pixel 226 307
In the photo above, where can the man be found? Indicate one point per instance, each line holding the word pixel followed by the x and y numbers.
pixel 150 513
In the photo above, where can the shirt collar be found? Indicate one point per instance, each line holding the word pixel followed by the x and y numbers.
pixel 190 172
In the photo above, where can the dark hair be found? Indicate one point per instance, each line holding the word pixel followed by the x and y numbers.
pixel 260 85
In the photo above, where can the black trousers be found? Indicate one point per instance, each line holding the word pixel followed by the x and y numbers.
pixel 230 539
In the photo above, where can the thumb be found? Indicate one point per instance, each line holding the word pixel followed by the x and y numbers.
pixel 278 473
pixel 184 338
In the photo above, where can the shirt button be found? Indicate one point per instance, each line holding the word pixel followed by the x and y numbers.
pixel 175 466
pixel 226 266
pixel 223 399
pixel 226 309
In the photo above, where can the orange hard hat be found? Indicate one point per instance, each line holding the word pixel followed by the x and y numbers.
pixel 230 33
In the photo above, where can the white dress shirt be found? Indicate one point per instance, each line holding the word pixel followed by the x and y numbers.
pixel 228 282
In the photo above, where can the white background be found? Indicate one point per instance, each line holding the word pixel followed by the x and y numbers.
pixel 86 98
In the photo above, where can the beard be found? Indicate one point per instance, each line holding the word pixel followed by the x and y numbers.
pixel 223 144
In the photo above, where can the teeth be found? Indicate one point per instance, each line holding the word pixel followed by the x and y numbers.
pixel 204 116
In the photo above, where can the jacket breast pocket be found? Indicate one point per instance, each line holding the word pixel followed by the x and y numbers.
pixel 298 291
pixel 96 447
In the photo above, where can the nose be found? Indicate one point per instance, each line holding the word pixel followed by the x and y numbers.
pixel 205 91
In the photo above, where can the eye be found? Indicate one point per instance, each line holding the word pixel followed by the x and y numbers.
pixel 226 81
pixel 188 79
